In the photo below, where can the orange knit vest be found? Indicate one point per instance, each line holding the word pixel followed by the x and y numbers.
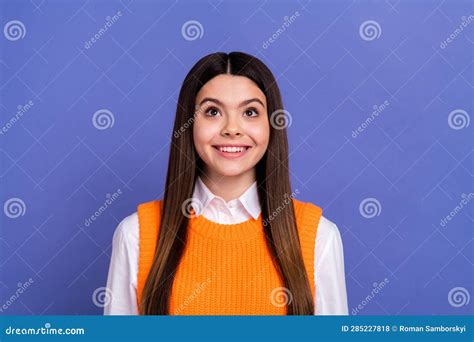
pixel 226 269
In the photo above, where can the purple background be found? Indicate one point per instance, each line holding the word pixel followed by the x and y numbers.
pixel 409 158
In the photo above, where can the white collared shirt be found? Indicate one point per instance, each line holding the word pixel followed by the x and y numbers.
pixel 329 277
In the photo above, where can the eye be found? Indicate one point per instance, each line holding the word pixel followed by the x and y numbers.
pixel 212 111
pixel 251 112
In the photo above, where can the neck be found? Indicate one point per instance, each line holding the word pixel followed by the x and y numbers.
pixel 228 187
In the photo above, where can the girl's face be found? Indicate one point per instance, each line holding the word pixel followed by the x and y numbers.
pixel 231 128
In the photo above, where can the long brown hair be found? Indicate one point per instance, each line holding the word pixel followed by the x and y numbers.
pixel 272 181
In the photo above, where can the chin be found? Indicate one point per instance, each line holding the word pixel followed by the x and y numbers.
pixel 230 172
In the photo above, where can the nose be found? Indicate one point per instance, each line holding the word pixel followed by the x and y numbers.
pixel 231 128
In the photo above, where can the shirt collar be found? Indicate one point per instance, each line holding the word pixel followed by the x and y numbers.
pixel 249 199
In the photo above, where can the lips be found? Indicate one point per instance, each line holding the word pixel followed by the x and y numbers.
pixel 231 148
pixel 231 151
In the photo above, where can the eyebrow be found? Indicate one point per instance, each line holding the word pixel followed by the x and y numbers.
pixel 243 103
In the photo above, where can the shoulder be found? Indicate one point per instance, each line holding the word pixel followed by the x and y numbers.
pixel 299 203
pixel 327 229
pixel 307 208
pixel 127 230
pixel 150 205
pixel 328 241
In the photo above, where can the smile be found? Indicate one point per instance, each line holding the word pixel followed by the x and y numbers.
pixel 231 151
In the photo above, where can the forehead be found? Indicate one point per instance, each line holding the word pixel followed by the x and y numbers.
pixel 231 89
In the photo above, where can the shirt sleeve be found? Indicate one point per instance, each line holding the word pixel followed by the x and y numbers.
pixel 122 270
pixel 331 295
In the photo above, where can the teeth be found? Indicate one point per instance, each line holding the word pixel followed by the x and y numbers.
pixel 231 149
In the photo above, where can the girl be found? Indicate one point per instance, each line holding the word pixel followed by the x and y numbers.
pixel 228 238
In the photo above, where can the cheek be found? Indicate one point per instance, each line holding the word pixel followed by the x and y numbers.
pixel 198 135
pixel 260 134
pixel 202 134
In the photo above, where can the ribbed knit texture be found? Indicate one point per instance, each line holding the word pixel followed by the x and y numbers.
pixel 226 269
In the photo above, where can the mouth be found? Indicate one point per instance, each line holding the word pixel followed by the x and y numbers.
pixel 231 151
